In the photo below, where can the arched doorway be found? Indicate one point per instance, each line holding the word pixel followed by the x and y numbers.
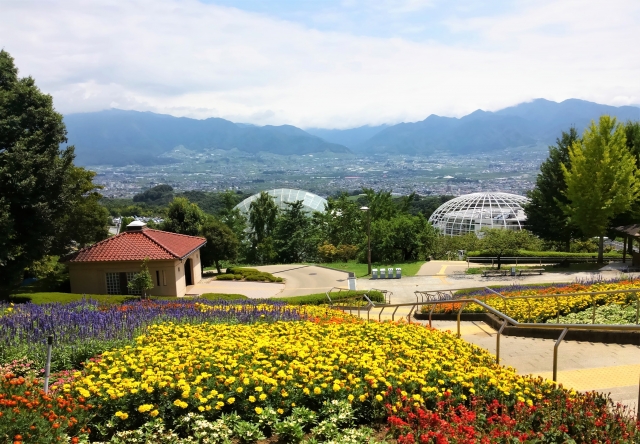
pixel 188 272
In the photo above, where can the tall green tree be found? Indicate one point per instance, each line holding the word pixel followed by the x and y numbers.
pixel 222 244
pixel 183 217
pixel 545 215
pixel 341 223
pixel 34 188
pixel 263 213
pixel 87 220
pixel 381 204
pixel 291 236
pixel 603 179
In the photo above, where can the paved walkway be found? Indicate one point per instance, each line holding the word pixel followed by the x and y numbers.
pixel 307 279
pixel 583 366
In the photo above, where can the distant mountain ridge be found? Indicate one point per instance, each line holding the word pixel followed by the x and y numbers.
pixel 537 122
pixel 120 137
pixel 117 137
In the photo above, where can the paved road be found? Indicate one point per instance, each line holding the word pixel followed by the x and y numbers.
pixel 306 279
pixel 403 289
pixel 583 366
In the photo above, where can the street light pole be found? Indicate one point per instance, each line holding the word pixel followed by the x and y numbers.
pixel 366 209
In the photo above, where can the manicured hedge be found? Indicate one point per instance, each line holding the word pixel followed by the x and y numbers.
pixel 527 253
pixel 321 298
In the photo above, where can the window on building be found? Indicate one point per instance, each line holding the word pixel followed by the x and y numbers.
pixel 164 278
pixel 158 278
pixel 113 283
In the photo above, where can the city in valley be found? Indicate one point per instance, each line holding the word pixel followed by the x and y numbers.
pixel 511 170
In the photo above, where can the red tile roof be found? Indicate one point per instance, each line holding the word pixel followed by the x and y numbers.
pixel 138 245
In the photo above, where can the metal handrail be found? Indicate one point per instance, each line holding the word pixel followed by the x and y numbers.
pixel 507 320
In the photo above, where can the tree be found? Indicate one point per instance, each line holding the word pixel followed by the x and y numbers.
pixel 603 179
pixel 341 222
pixel 263 213
pixel 545 215
pixel 141 281
pixel 34 194
pixel 183 217
pixel 381 204
pixel 222 244
pixel 87 221
pixel 291 236
pixel 499 242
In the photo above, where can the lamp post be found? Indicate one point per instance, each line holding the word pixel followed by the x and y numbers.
pixel 366 209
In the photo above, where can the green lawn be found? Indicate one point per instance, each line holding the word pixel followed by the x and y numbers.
pixel 360 270
pixel 321 298
pixel 64 298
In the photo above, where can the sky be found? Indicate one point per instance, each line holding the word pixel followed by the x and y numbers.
pixel 329 64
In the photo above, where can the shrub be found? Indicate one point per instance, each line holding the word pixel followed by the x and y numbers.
pixel 225 277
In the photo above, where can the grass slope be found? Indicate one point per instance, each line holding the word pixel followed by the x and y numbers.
pixel 360 270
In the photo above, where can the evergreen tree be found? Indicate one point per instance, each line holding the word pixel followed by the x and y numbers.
pixel 263 213
pixel 603 179
pixel 545 216
pixel 38 193
pixel 291 237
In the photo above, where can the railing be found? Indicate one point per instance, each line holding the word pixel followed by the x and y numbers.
pixel 508 321
pixel 536 260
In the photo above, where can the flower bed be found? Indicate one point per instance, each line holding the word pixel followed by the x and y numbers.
pixel 232 372
pixel 83 329
pixel 543 309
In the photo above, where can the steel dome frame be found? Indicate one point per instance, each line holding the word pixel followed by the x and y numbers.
pixel 311 202
pixel 473 212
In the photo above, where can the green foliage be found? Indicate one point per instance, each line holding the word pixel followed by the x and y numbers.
pixel 158 195
pixel 250 274
pixel 426 205
pixel 498 242
pixel 222 244
pixel 142 281
pixel 360 269
pixel 263 214
pixel 446 247
pixel 39 194
pixel 183 217
pixel 321 298
pixel 545 216
pixel 532 253
pixel 606 314
pixel 292 237
pixel 341 222
pixel 401 238
pixel 602 179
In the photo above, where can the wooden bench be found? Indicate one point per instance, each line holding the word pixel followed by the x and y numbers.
pixel 487 273
pixel 525 271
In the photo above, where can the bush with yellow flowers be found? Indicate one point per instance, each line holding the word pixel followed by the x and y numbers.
pixel 211 369
pixel 546 308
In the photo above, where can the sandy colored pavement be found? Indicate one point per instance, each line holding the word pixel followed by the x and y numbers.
pixel 306 279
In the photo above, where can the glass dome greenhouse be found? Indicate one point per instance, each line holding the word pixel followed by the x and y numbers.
pixel 473 212
pixel 311 202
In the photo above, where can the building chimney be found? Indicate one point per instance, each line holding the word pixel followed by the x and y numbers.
pixel 136 225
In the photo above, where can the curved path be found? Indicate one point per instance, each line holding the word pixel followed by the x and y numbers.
pixel 306 279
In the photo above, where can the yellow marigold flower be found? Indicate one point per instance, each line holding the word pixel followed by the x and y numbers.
pixel 379 398
pixel 154 413
pixel 258 410
pixel 350 398
pixel 281 411
pixel 239 389
pixel 231 401
pixel 121 415
pixel 252 399
pixel 317 390
pixel 263 397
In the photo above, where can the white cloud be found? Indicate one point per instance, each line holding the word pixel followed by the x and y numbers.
pixel 200 60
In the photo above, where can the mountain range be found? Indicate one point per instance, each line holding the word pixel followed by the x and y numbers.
pixel 120 137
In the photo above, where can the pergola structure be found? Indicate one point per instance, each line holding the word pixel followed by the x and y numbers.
pixel 630 232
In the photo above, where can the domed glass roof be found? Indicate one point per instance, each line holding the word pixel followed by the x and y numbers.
pixel 311 202
pixel 473 212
